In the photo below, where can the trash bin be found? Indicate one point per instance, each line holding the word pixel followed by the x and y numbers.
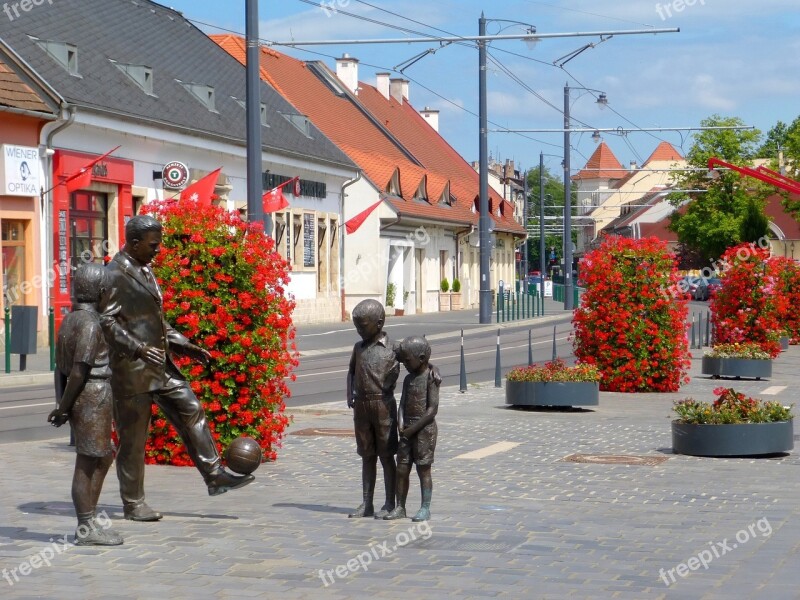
pixel 24 321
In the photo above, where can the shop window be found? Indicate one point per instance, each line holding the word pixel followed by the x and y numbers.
pixel 88 228
pixel 13 246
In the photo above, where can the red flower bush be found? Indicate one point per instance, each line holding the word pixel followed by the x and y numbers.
pixel 783 288
pixel 629 324
pixel 223 287
pixel 749 306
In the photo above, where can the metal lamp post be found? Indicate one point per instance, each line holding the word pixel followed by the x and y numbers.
pixel 602 100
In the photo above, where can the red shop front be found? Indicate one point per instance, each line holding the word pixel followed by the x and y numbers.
pixel 89 223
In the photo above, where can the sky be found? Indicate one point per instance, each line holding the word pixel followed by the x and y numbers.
pixel 731 57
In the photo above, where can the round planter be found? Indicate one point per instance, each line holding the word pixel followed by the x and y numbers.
pixel 737 367
pixel 785 343
pixel 748 439
pixel 552 393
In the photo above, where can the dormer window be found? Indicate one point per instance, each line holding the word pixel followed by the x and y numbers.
pixel 139 74
pixel 301 122
pixel 203 93
pixel 243 104
pixel 64 54
pixel 422 193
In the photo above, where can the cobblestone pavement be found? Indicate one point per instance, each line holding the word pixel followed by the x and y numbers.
pixel 518 523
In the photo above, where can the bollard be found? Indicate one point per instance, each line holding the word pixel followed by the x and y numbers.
pixel 463 378
pixel 497 306
pixel 8 338
pixel 51 335
pixel 530 349
pixel 555 352
pixel 708 330
pixel 497 380
pixel 700 330
pixel 694 344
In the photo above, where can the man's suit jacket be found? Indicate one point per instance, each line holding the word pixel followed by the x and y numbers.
pixel 132 316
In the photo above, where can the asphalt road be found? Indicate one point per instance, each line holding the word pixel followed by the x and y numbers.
pixel 326 349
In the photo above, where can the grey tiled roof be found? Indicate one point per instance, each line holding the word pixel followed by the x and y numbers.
pixel 140 32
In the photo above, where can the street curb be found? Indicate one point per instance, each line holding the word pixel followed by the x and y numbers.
pixel 563 318
pixel 7 381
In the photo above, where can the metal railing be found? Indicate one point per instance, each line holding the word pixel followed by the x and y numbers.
pixel 513 305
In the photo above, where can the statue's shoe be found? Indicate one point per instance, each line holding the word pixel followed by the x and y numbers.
pixel 398 513
pixel 224 481
pixel 90 536
pixel 141 512
pixel 364 510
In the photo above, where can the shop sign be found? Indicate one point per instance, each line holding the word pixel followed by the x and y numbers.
pixel 19 174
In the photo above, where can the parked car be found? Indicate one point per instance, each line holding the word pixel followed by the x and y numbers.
pixel 689 285
pixel 706 287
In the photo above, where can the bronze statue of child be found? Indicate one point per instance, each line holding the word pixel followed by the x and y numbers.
pixel 371 379
pixel 84 392
pixel 419 403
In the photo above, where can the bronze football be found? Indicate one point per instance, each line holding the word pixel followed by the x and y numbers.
pixel 243 455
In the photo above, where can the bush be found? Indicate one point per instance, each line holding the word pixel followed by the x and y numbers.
pixel 556 370
pixel 730 407
pixel 627 324
pixel 223 288
pixel 445 286
pixel 748 306
pixel 391 294
pixel 456 286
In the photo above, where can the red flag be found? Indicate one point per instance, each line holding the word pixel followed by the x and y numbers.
pixel 202 189
pixel 274 200
pixel 351 225
pixel 83 178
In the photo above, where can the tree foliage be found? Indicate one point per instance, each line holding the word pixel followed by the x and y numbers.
pixel 711 221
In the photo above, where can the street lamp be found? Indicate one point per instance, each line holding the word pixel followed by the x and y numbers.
pixel 602 101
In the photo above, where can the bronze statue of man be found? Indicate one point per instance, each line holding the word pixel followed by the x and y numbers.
pixel 84 399
pixel 143 373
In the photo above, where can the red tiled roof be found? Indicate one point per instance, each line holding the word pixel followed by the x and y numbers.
pixel 602 164
pixel 346 125
pixel 664 151
pixel 659 229
pixel 17 94
pixel 433 151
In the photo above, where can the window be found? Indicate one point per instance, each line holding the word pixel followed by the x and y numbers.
pixel 140 75
pixel 88 228
pixel 243 104
pixel 203 93
pixel 64 54
pixel 13 245
pixel 301 122
pixel 422 193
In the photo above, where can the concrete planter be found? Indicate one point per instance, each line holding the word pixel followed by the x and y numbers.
pixel 755 368
pixel 747 439
pixel 552 393
pixel 785 343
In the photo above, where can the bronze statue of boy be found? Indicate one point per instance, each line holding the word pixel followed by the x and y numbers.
pixel 419 403
pixel 84 392
pixel 371 379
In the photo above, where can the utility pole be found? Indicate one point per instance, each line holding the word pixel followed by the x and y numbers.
pixel 542 265
pixel 568 300
pixel 484 236
pixel 255 207
pixel 525 220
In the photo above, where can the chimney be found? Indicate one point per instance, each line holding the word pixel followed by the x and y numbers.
pixel 398 88
pixel 382 83
pixel 347 72
pixel 634 166
pixel 508 171
pixel 431 116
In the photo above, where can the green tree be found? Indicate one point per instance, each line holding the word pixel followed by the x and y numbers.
pixel 754 224
pixel 710 221
pixel 553 206
pixel 775 140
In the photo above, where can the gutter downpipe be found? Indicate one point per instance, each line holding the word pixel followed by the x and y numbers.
pixel 48 177
pixel 342 233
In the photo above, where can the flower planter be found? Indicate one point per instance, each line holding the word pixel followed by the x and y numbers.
pixel 746 439
pixel 455 301
pixel 737 367
pixel 785 343
pixel 444 302
pixel 552 393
